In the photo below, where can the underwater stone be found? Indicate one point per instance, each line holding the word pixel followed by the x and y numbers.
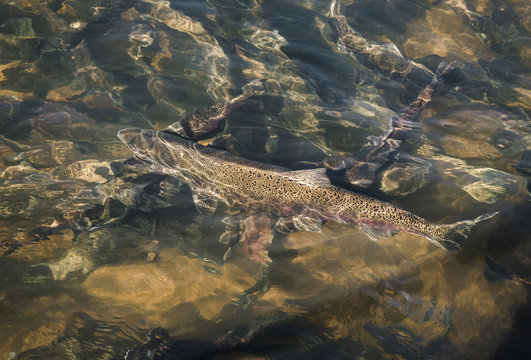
pixel 21 27
pixel 404 178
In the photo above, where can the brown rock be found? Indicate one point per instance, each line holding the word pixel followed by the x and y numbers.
pixel 463 132
pixel 441 39
pixel 97 102
pixel 49 317
pixel 153 288
pixel 129 15
pixel 67 92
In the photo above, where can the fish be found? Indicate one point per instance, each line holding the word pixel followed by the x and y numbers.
pixel 497 272
pixel 207 121
pixel 382 55
pixel 361 169
pixel 215 175
pixel 494 31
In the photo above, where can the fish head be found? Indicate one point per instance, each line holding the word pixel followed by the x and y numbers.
pixel 135 139
pixel 156 147
pixel 138 140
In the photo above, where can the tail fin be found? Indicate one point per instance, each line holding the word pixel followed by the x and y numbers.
pixel 450 236
pixel 445 68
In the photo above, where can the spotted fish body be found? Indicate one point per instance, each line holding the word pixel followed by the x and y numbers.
pixel 217 175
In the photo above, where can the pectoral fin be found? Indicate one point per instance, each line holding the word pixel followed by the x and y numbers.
pixel 254 234
pixel 256 237
pixel 205 204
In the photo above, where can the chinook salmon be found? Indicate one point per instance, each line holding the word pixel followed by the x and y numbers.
pixel 361 169
pixel 384 56
pixel 217 175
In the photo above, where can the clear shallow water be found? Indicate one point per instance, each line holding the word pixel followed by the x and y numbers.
pixel 73 73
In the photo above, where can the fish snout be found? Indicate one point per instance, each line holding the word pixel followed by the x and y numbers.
pixel 138 140
pixel 135 139
pixel 125 134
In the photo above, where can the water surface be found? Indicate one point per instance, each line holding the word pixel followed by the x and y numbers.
pixel 72 73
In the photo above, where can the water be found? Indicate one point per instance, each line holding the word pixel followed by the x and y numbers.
pixel 73 73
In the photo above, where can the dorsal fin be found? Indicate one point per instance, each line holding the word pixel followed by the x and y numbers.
pixel 223 142
pixel 177 129
pixel 202 122
pixel 312 177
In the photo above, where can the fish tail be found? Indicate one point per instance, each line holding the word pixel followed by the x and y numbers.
pixel 445 68
pixel 450 236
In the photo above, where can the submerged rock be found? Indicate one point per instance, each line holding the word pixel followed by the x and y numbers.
pixel 395 295
pixel 158 287
pixel 21 27
pixel 91 171
pixel 50 317
pixel 484 184
pixel 474 132
pixel 491 184
pixel 67 92
pixel 405 176
pixel 443 33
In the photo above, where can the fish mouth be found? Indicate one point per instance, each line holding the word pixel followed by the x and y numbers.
pixel 125 135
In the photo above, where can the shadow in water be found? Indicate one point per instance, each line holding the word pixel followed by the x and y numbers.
pixel 516 344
